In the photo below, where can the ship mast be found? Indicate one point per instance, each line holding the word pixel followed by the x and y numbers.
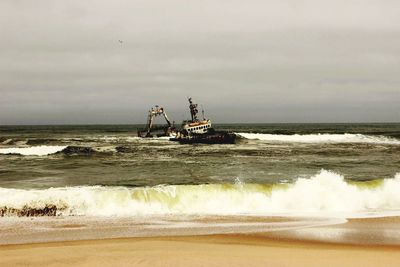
pixel 193 110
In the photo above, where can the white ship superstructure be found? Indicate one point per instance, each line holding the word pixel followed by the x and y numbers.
pixel 199 127
pixel 196 126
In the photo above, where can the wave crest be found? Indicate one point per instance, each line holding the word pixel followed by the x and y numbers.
pixel 32 151
pixel 321 138
pixel 49 150
pixel 325 194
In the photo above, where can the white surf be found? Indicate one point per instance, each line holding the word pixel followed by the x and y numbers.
pixel 321 138
pixel 325 194
pixel 32 151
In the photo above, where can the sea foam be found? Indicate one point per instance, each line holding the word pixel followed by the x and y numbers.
pixel 32 151
pixel 325 194
pixel 321 138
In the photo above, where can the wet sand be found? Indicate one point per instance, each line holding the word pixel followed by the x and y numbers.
pixel 277 248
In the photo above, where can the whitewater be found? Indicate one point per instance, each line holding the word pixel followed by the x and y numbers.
pixel 321 138
pixel 324 194
pixel 32 151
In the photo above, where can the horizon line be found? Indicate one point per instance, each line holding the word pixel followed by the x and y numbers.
pixel 221 123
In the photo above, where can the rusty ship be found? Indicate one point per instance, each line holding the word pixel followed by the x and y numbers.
pixel 200 131
pixel 193 131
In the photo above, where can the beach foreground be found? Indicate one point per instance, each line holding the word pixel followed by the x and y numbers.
pixel 228 250
pixel 259 249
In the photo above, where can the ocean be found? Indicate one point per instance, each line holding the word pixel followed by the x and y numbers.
pixel 105 170
pixel 100 181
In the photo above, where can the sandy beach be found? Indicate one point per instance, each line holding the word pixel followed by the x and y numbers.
pixel 227 250
pixel 278 248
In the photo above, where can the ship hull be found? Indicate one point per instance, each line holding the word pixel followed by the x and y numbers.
pixel 216 138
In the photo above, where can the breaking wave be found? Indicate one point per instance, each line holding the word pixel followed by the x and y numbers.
pixel 325 194
pixel 321 138
pixel 49 150
pixel 32 151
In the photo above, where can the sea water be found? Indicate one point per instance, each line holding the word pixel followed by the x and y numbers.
pixel 343 170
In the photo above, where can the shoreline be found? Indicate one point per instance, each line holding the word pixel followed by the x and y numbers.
pixel 287 247
pixel 59 229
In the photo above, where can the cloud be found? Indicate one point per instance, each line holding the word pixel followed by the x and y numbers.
pixel 257 61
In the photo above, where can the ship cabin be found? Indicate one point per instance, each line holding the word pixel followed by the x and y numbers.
pixel 197 127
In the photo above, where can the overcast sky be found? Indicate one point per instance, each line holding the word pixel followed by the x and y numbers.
pixel 245 61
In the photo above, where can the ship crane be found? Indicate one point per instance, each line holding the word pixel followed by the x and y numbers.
pixel 153 113
pixel 194 131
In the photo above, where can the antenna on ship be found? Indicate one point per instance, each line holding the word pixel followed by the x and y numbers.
pixel 202 112
pixel 193 109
